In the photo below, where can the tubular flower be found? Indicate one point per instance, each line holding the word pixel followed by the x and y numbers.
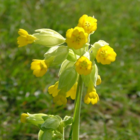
pixel 72 92
pixel 39 67
pixel 98 82
pixel 88 23
pixel 83 66
pixel 24 38
pixel 23 117
pixel 54 89
pixel 76 38
pixel 91 96
pixel 106 55
pixel 60 100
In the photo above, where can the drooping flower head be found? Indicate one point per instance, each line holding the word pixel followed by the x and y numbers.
pixel 72 92
pixel 91 96
pixel 106 55
pixel 24 38
pixel 39 67
pixel 53 89
pixel 76 38
pixel 83 66
pixel 88 23
pixel 60 100
pixel 98 82
pixel 23 117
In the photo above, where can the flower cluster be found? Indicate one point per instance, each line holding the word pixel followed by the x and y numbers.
pixel 77 58
pixel 60 96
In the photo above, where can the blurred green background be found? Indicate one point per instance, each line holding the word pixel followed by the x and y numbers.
pixel 117 114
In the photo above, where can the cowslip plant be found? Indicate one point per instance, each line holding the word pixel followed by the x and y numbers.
pixel 78 67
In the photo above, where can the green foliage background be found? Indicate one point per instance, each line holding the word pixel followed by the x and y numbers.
pixel 117 115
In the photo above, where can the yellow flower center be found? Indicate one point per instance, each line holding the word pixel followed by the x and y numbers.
pixel 83 66
pixel 103 53
pixel 87 24
pixel 77 38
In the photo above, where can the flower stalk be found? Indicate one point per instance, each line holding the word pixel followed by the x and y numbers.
pixel 74 134
pixel 78 67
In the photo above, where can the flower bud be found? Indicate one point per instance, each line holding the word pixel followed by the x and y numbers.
pixel 67 120
pixel 35 119
pixel 95 47
pixel 48 37
pixel 56 55
pixel 71 56
pixel 23 117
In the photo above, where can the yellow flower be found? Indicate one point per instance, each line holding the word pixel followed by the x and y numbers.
pixel 60 100
pixel 83 66
pixel 53 89
pixel 88 23
pixel 39 67
pixel 91 96
pixel 98 82
pixel 76 38
pixel 72 92
pixel 24 38
pixel 23 117
pixel 106 55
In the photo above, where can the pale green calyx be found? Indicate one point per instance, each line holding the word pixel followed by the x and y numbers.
pixel 82 50
pixel 67 79
pixel 66 64
pixel 56 55
pixel 71 56
pixel 45 135
pixel 91 78
pixel 95 47
pixel 35 119
pixel 87 55
pixel 48 37
pixel 51 122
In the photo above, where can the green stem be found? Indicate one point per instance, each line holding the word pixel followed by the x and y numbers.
pixel 76 117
